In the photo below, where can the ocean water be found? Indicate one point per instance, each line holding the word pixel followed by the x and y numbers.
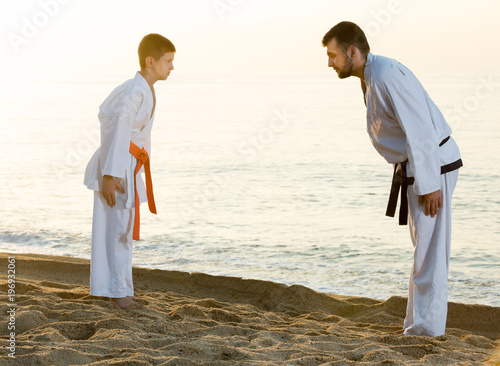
pixel 264 176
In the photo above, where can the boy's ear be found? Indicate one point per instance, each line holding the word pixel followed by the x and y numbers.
pixel 149 61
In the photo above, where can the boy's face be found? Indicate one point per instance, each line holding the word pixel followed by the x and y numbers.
pixel 163 66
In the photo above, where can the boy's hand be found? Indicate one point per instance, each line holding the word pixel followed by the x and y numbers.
pixel 109 186
pixel 433 202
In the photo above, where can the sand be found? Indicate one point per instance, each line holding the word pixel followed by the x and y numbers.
pixel 198 319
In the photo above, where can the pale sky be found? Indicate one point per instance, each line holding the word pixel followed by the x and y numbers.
pixel 84 37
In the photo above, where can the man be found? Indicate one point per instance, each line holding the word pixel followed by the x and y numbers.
pixel 409 131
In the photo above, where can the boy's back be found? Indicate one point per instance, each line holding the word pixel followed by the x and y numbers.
pixel 125 116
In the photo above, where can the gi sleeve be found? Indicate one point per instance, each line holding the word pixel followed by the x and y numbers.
pixel 115 144
pixel 413 115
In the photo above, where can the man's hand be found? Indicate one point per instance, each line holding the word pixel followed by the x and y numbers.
pixel 432 201
pixel 109 186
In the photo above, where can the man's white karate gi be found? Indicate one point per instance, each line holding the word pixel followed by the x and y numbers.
pixel 125 116
pixel 404 124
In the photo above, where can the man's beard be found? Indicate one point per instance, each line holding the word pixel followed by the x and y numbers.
pixel 346 71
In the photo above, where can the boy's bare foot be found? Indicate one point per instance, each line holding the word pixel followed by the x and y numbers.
pixel 126 303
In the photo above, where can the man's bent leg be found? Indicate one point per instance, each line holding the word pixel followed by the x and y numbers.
pixel 428 297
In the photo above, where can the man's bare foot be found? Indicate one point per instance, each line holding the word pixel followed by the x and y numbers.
pixel 126 303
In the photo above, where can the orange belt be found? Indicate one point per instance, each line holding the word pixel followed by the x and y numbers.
pixel 142 159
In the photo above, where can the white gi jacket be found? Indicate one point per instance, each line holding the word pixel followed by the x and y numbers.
pixel 404 123
pixel 126 115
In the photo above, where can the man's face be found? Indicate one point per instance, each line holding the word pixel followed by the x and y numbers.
pixel 338 59
pixel 164 65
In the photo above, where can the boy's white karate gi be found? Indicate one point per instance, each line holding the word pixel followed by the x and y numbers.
pixel 404 124
pixel 125 116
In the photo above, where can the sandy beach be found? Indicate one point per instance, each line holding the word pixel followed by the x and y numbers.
pixel 198 319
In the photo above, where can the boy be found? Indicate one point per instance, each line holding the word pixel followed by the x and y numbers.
pixel 126 119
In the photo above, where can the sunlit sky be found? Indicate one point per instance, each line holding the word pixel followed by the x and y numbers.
pixel 75 38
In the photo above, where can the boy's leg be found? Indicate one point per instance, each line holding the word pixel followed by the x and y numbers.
pixel 428 296
pixel 111 255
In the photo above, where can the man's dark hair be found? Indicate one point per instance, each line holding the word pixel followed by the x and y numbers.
pixel 347 34
pixel 154 45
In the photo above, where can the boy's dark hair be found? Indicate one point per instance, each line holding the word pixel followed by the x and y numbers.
pixel 347 34
pixel 154 45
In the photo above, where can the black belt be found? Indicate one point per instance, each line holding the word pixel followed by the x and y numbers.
pixel 399 179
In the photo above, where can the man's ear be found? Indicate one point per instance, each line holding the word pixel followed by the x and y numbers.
pixel 351 51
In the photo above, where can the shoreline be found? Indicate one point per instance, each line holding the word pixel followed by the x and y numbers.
pixel 200 319
pixel 454 299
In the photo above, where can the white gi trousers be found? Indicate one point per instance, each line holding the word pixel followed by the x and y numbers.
pixel 111 255
pixel 427 307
